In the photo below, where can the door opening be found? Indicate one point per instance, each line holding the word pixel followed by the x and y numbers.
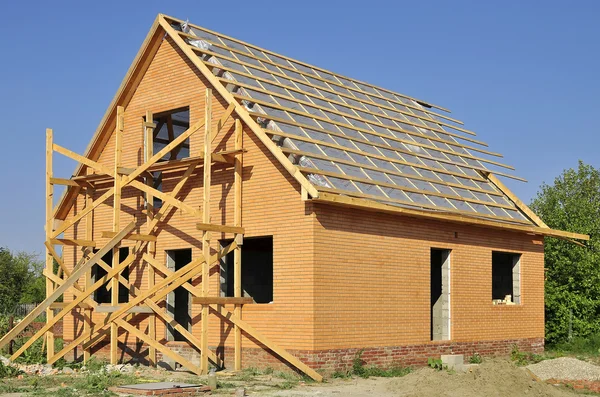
pixel 178 301
pixel 440 294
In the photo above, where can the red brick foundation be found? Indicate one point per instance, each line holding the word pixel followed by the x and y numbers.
pixel 332 360
pixel 590 385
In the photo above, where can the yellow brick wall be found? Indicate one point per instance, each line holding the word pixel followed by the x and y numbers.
pixel 372 275
pixel 342 278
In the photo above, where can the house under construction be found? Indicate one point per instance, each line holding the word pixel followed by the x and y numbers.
pixel 236 208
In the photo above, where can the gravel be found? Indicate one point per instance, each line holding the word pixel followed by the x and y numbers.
pixel 565 368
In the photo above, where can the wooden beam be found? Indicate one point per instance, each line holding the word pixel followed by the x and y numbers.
pixel 240 111
pixel 401 174
pixel 237 254
pixel 369 205
pixel 114 282
pixel 330 81
pixel 67 224
pixel 247 328
pixel 57 258
pixel 378 182
pixel 163 349
pixel 520 205
pixel 160 290
pixel 219 300
pixel 112 309
pixel 206 233
pixel 73 242
pixel 49 268
pixel 151 248
pixel 75 275
pixel 222 121
pixel 419 206
pixel 89 234
pixel 133 237
pixel 219 228
pixel 62 305
pixel 68 182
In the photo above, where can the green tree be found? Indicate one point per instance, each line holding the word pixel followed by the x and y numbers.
pixel 572 288
pixel 21 280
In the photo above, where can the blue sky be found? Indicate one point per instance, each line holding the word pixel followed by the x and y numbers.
pixel 523 75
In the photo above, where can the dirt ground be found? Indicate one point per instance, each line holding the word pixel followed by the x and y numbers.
pixel 494 377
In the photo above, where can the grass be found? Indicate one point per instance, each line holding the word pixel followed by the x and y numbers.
pixel 525 358
pixel 475 359
pixel 588 346
pixel 360 369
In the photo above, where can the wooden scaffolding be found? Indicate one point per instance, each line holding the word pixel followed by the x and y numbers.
pixel 79 282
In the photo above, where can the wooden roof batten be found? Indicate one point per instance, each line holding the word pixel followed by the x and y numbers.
pixel 221 83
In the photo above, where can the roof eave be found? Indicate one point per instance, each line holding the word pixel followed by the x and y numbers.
pixel 370 205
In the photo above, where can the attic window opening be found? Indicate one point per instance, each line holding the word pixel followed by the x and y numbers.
pixel 170 125
pixel 506 278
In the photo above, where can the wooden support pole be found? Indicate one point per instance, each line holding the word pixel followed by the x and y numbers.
pixel 89 235
pixel 114 283
pixel 206 233
pixel 49 227
pixel 237 254
pixel 151 247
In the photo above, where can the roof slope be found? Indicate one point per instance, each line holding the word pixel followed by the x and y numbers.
pixel 355 139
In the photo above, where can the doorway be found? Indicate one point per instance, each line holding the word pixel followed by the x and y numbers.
pixel 178 300
pixel 440 294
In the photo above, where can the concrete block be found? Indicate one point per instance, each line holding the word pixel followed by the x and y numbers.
pixel 454 362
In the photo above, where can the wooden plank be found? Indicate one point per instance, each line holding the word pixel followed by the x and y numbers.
pixel 114 283
pixel 133 237
pixel 49 267
pixel 222 121
pixel 62 305
pixel 72 242
pixel 369 205
pixel 89 234
pixel 112 309
pixel 188 209
pixel 57 258
pixel 418 206
pixel 398 173
pixel 160 290
pixel 163 349
pixel 366 131
pixel 353 178
pixel 206 233
pixel 520 205
pixel 77 273
pixel 330 99
pixel 237 254
pixel 220 300
pixel 180 139
pixel 219 228
pixel 240 111
pixel 313 67
pixel 71 305
pixel 151 248
pixel 68 182
pixel 65 225
pixel 251 331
